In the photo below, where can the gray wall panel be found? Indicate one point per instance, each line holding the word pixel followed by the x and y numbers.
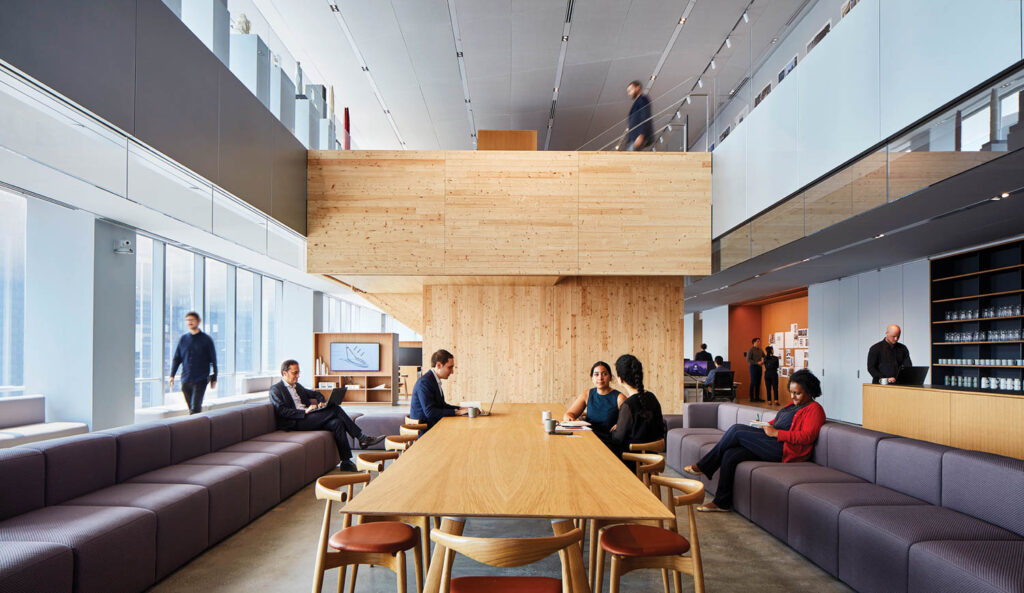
pixel 85 50
pixel 289 183
pixel 113 336
pixel 246 143
pixel 176 103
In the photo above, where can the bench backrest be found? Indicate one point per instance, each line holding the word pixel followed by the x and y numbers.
pixel 989 487
pixel 19 410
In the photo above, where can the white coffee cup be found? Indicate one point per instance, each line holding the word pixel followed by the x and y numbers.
pixel 549 425
pixel 545 415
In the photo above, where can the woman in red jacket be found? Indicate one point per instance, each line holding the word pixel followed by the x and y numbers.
pixel 789 437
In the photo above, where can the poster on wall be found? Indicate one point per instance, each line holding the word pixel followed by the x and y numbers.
pixel 800 359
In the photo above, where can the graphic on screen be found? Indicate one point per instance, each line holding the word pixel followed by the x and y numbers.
pixel 355 357
pixel 695 367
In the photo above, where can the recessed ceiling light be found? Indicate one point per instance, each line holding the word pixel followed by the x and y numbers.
pixel 712 64
pixel 689 99
pixel 775 40
pixel 700 83
pixel 682 21
pixel 677 113
pixel 1005 194
pixel 757 275
pixel 728 42
pixel 879 235
pixel 746 19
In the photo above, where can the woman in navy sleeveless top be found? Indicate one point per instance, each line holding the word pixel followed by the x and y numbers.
pixel 601 403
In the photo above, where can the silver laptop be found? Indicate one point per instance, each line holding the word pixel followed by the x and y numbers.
pixel 491 407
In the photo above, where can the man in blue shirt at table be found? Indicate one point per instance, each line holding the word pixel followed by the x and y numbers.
pixel 195 354
pixel 428 405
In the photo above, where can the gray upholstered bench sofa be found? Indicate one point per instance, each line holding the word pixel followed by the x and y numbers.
pixel 23 420
pixel 880 512
pixel 119 509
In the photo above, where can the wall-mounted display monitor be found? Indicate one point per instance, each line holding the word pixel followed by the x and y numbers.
pixel 410 357
pixel 355 357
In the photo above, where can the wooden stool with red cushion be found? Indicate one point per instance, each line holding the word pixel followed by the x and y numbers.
pixel 634 546
pixel 382 543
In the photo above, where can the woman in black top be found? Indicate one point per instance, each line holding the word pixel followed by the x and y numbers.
pixel 640 419
pixel 771 376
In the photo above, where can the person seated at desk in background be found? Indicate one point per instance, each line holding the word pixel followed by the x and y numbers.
pixel 298 408
pixel 888 357
pixel 600 403
pixel 709 380
pixel 788 438
pixel 640 419
pixel 706 356
pixel 428 405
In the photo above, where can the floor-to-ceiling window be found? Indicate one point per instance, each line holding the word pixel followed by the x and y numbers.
pixel 219 321
pixel 270 314
pixel 149 257
pixel 179 299
pixel 12 293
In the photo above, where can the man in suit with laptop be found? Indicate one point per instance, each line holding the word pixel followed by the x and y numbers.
pixel 428 405
pixel 298 408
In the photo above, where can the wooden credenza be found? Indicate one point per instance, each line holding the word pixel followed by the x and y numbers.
pixel 988 422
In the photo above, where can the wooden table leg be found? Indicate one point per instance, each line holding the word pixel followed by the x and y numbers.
pixel 453 525
pixel 579 574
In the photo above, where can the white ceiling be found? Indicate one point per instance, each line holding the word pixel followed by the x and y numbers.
pixel 511 50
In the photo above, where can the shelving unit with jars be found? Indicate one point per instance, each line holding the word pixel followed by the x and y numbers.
pixel 978 320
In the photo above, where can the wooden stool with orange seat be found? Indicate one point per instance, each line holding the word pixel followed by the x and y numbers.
pixel 648 465
pixel 505 553
pixel 381 543
pixel 634 546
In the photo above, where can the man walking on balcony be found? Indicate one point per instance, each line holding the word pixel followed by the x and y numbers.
pixel 641 129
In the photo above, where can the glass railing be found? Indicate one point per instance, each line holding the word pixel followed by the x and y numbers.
pixel 977 129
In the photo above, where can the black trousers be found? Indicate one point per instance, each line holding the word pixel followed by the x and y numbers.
pixel 740 443
pixel 334 419
pixel 194 393
pixel 771 386
pixel 755 382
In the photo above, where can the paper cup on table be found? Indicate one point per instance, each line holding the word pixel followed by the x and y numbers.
pixel 549 425
pixel 545 415
pixel 472 412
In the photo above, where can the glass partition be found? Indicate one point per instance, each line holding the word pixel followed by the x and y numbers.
pixel 12 293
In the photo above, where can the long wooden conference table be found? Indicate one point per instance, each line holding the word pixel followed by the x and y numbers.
pixel 505 465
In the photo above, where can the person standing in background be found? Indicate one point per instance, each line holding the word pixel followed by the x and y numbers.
pixel 771 376
pixel 888 357
pixel 705 356
pixel 641 129
pixel 196 354
pixel 755 358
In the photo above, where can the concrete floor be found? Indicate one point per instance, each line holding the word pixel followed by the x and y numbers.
pixel 276 553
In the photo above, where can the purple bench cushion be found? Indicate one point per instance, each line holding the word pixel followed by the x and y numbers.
pixel 27 469
pixel 292 459
pixel 912 467
pixel 852 449
pixel 141 448
pixel 317 444
pixel 115 547
pixel 771 485
pixel 190 437
pixel 226 485
pixel 78 465
pixel 986 486
pixel 875 542
pixel 225 428
pixel 979 567
pixel 814 516
pixel 379 423
pixel 36 567
pixel 257 419
pixel 726 416
pixel 264 476
pixel 673 421
pixel 182 517
pixel 743 495
pixel 674 445
pixel 700 415
pixel 690 450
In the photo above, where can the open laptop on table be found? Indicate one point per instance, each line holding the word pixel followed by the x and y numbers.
pixel 491 407
pixel 911 376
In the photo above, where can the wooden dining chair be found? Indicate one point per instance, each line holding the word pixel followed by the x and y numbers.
pixel 648 465
pixel 634 546
pixel 657 446
pixel 399 442
pixel 412 429
pixel 507 553
pixel 379 543
pixel 373 461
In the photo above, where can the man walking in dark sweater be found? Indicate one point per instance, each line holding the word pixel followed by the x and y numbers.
pixel 195 354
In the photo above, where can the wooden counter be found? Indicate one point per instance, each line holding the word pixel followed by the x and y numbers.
pixel 990 422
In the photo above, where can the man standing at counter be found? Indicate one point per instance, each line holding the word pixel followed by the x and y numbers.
pixel 888 357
